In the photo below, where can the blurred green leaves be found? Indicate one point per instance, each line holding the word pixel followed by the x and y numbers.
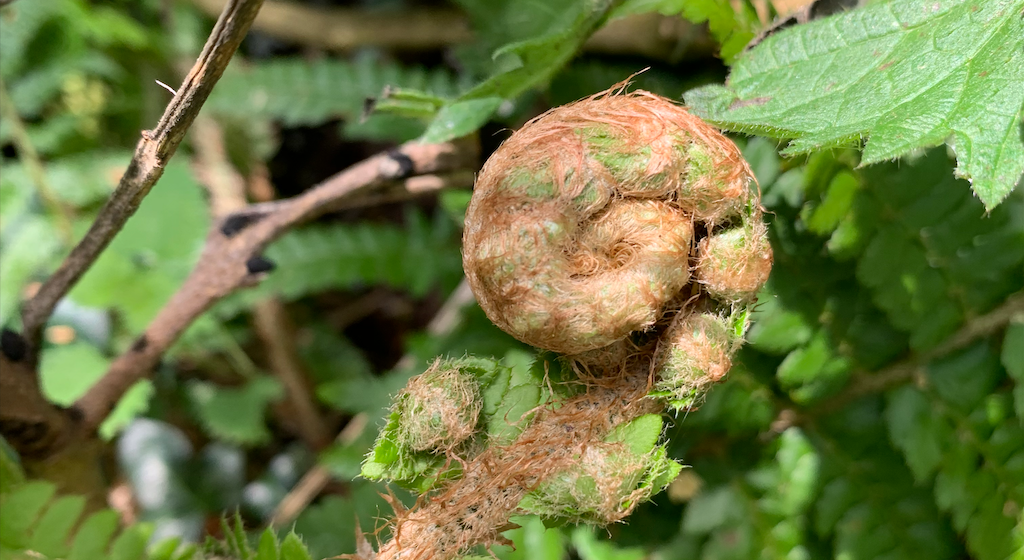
pixel 761 514
pixel 903 75
pixel 520 66
pixel 150 258
pixel 418 257
pixel 963 434
pixel 235 414
pixel 1013 361
pixel 732 24
pixel 37 523
pixel 875 266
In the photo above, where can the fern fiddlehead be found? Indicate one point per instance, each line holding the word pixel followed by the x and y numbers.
pixel 621 233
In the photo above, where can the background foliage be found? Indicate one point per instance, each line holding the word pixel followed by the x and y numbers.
pixel 857 423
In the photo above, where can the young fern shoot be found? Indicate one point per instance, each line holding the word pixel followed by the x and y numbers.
pixel 622 236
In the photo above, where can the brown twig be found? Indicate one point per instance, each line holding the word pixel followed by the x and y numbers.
pixel 231 257
pixel 227 194
pixel 32 425
pixel 275 329
pixel 314 481
pixel 907 370
pixel 651 35
pixel 147 165
pixel 444 322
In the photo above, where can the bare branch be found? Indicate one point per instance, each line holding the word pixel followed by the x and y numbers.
pixel 314 481
pixel 231 258
pixel 147 165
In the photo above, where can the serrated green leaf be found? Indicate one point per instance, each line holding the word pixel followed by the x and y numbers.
pixel 293 549
pixel 235 540
pixel 904 75
pixel 732 25
pixel 267 547
pixel 235 414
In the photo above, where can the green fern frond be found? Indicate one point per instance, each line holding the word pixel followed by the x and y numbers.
pixel 869 505
pixel 36 523
pixel 299 92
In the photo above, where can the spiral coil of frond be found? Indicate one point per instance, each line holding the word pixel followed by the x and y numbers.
pixel 625 234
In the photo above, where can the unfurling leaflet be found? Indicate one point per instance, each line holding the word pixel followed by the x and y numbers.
pixel 622 236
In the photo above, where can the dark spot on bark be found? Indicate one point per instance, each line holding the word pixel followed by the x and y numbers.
pixel 369 104
pixel 140 344
pixel 237 222
pixel 75 414
pixel 405 163
pixel 13 345
pixel 259 264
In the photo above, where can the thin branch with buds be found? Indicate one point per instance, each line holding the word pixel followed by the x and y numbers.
pixel 147 165
pixel 232 259
pixel 31 424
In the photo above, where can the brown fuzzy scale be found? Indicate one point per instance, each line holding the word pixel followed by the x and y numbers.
pixel 693 354
pixel 472 509
pixel 581 225
pixel 439 409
